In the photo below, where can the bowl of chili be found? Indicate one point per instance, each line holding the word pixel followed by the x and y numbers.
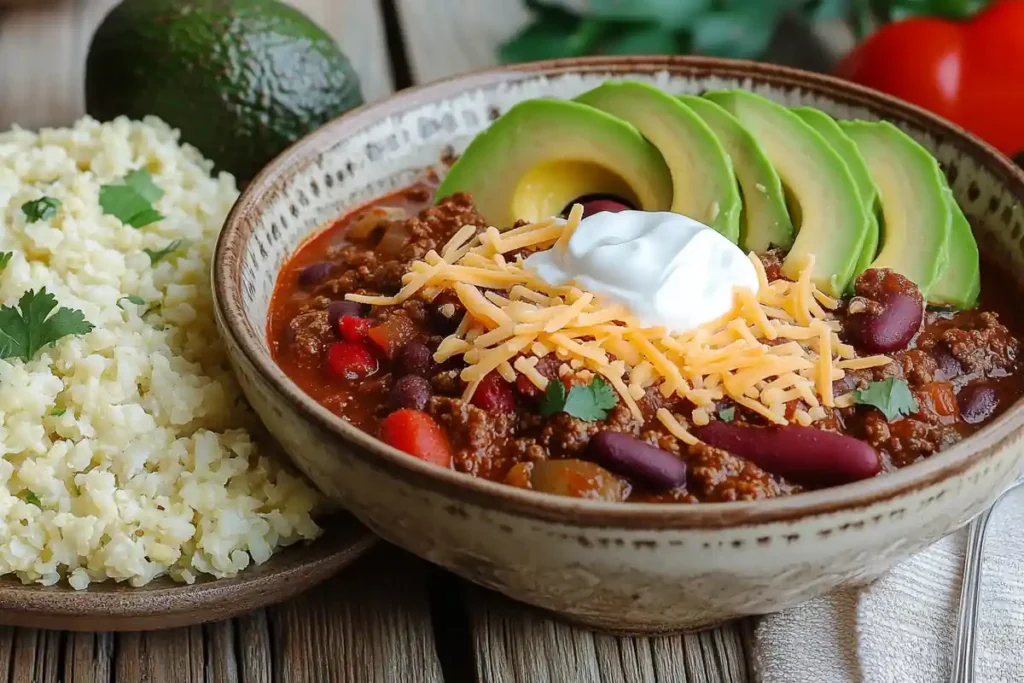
pixel 606 515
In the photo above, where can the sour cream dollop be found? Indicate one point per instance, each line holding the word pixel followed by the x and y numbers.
pixel 667 269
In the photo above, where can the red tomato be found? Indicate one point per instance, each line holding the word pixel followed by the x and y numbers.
pixel 353 328
pixel 971 73
pixel 392 334
pixel 416 433
pixel 347 360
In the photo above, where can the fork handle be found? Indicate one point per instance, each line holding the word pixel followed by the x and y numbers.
pixel 967 620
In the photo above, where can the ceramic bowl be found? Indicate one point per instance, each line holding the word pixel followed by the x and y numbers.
pixel 619 567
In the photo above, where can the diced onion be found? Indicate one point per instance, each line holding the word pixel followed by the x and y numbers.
pixel 369 220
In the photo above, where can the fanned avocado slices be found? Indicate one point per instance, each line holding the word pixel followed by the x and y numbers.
pixel 832 222
pixel 915 202
pixel 542 154
pixel 703 182
pixel 959 284
pixel 829 129
pixel 765 221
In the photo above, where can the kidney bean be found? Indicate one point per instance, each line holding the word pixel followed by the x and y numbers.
pixel 804 455
pixel 886 313
pixel 415 359
pixel 599 203
pixel 314 273
pixel 977 402
pixel 576 478
pixel 637 460
pixel 343 309
pixel 409 391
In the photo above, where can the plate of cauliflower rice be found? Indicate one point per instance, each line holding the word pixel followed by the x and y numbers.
pixel 135 483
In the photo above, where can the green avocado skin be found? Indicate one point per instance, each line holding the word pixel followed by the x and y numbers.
pixel 241 79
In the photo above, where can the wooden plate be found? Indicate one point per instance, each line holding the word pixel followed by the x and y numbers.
pixel 165 604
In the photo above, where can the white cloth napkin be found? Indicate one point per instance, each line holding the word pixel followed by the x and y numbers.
pixel 900 629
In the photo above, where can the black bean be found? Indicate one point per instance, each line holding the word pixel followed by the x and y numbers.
pixel 446 313
pixel 340 309
pixel 977 401
pixel 415 359
pixel 314 273
pixel 410 391
pixel 637 460
pixel 948 366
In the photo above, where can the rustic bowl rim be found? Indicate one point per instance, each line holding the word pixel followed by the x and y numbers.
pixel 227 273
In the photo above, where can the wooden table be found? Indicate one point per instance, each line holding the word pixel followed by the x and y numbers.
pixel 391 618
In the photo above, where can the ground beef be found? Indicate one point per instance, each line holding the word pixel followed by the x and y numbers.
pixel 478 438
pixel 310 333
pixel 987 349
pixel 565 436
pixel 715 475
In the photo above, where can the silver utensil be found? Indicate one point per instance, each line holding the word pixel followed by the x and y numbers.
pixel 967 619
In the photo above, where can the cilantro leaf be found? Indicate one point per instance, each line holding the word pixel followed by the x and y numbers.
pixel 57 412
pixel 891 396
pixel 5 258
pixel 727 414
pixel 31 498
pixel 132 299
pixel 554 398
pixel 132 200
pixel 29 327
pixel 589 402
pixel 157 255
pixel 40 209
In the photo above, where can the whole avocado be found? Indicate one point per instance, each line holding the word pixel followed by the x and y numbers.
pixel 241 79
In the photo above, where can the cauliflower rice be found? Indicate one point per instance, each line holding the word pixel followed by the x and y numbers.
pixel 124 450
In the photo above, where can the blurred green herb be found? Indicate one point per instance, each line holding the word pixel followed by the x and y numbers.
pixel 40 209
pixel 31 498
pixel 5 258
pixel 723 28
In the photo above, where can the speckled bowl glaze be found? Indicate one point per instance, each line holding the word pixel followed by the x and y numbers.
pixel 618 567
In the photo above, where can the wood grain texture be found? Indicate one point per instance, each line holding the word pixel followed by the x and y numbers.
pixel 43 48
pixel 516 644
pixel 371 625
pixel 447 37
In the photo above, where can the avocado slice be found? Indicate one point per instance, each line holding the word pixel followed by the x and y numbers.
pixel 959 284
pixel 765 220
pixel 916 211
pixel 241 79
pixel 832 222
pixel 841 142
pixel 704 185
pixel 542 154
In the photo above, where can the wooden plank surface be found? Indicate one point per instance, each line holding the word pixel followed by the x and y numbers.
pixel 370 624
pixel 43 48
pixel 515 644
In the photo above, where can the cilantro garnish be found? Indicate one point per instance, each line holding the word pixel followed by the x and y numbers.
pixel 31 498
pixel 157 255
pixel 40 209
pixel 727 414
pixel 29 327
pixel 5 258
pixel 132 201
pixel 588 402
pixel 892 396
pixel 132 299
pixel 57 412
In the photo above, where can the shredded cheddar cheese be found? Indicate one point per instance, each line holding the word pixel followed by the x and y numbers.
pixel 775 347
